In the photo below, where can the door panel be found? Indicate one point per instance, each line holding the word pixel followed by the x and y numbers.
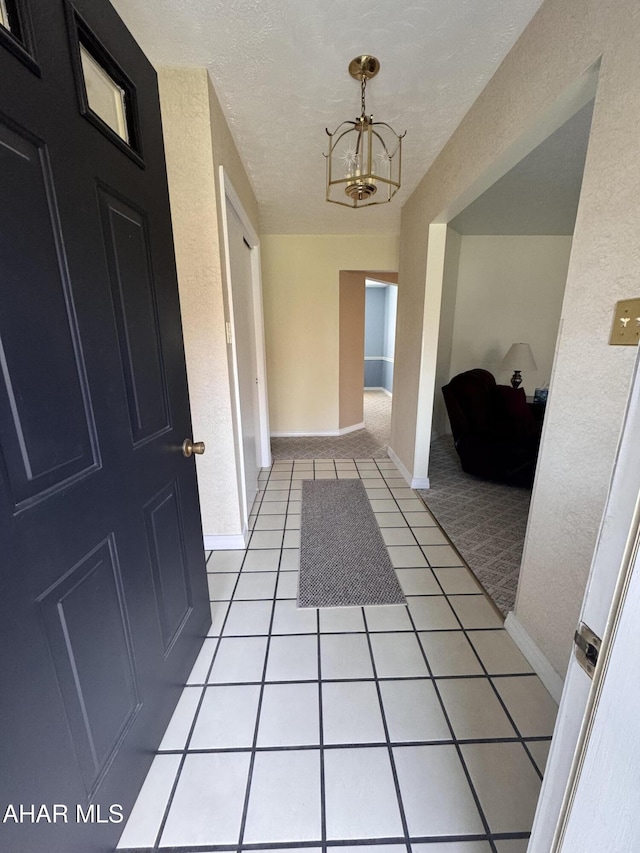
pixel 48 436
pixel 165 537
pixel 134 299
pixel 103 594
pixel 98 685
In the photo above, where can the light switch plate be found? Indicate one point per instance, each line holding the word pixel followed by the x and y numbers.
pixel 626 323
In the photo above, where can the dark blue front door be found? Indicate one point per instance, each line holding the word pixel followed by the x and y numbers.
pixel 103 599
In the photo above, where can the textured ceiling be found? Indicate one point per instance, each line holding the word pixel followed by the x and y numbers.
pixel 540 194
pixel 279 68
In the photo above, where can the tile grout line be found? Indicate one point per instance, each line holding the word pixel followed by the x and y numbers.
pixel 474 793
pixel 305 747
pixel 473 676
pixel 307 845
pixel 247 795
pixel 396 569
pixel 394 770
pixel 462 559
pixel 490 678
pixel 475 652
pixel 456 743
pixel 407 595
pixel 185 751
pixel 521 738
pixel 323 793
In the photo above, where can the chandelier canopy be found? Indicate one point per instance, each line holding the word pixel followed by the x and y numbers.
pixel 365 156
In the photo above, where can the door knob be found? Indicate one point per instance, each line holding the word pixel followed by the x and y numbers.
pixel 190 447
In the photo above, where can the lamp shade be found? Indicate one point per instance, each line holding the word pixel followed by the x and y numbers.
pixel 519 357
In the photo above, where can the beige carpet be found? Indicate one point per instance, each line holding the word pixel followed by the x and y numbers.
pixel 486 521
pixel 368 443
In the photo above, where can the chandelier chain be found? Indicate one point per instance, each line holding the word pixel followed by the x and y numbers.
pixel 363 87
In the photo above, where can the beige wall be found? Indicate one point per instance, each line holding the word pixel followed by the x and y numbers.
pixel 351 349
pixel 197 140
pixel 300 278
pixel 510 289
pixel 591 380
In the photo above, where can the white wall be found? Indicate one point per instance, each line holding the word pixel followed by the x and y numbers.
pixel 390 316
pixel 509 289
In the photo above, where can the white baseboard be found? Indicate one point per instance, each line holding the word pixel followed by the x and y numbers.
pixel 348 429
pixel 547 674
pixel 420 483
pixel 327 433
pixel 393 456
pixel 229 542
pixel 414 482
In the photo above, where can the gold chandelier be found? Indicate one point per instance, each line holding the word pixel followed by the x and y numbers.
pixel 365 156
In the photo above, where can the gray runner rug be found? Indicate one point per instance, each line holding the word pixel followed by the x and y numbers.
pixel 343 559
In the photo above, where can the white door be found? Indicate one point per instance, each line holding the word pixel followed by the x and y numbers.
pixel 244 334
pixel 583 707
pixel 604 810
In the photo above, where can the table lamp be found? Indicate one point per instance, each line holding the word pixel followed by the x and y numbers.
pixel 518 358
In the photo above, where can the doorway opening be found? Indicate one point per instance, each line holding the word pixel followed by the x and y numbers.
pixel 505 266
pixel 368 302
pixel 381 307
pixel 381 302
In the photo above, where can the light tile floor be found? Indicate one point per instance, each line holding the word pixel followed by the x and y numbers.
pixel 417 727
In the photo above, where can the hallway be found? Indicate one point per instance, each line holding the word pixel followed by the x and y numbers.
pixel 372 441
pixel 401 727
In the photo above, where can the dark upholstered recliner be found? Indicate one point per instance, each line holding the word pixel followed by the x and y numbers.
pixel 494 430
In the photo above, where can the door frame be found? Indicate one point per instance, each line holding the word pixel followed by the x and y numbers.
pixel 574 97
pixel 603 607
pixel 231 201
pixel 606 759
